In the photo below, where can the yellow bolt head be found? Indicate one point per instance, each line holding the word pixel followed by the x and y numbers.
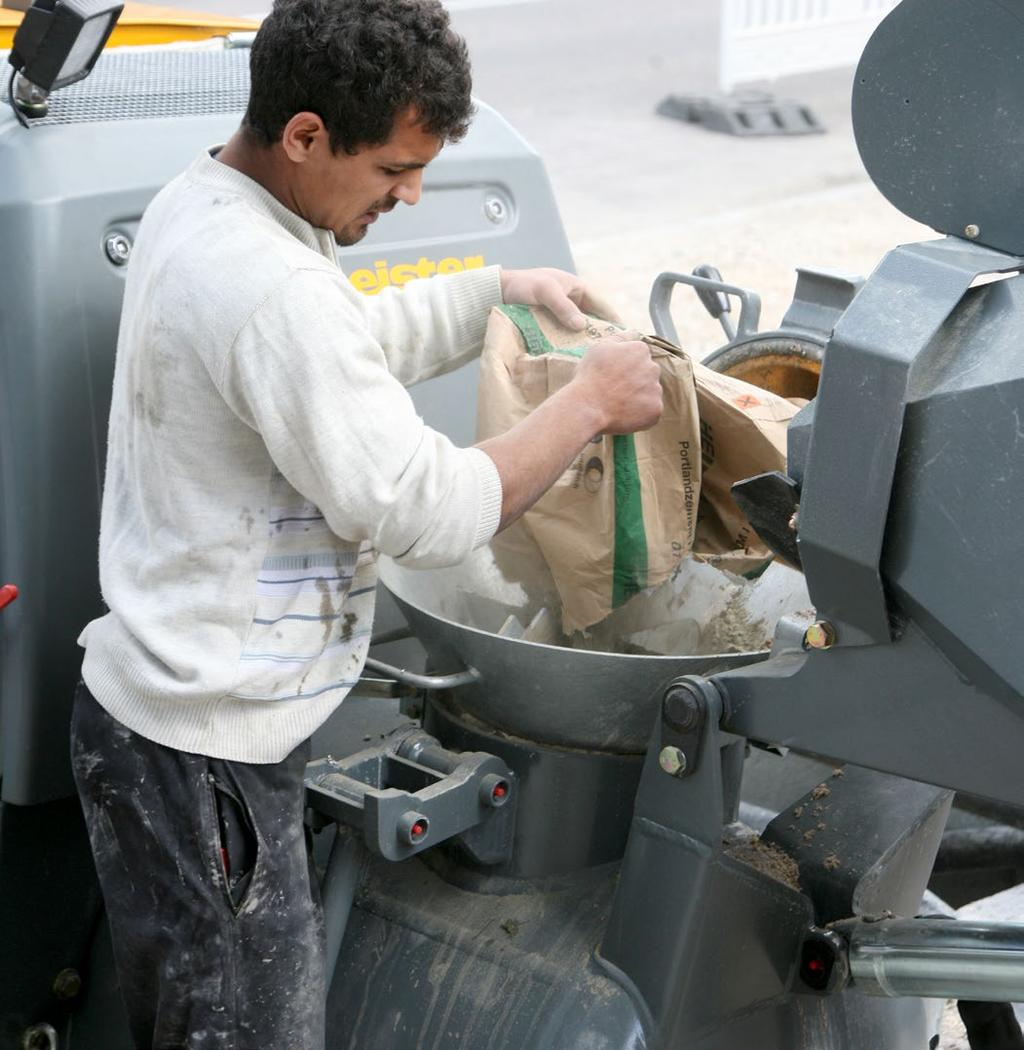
pixel 820 635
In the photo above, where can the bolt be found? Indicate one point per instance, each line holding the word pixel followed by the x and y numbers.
pixel 494 790
pixel 820 635
pixel 118 248
pixel 39 1037
pixel 29 98
pixel 67 984
pixel 682 708
pixel 972 231
pixel 673 761
pixel 495 210
pixel 413 828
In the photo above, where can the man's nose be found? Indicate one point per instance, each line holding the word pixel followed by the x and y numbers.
pixel 409 187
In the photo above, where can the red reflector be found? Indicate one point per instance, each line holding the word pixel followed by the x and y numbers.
pixel 500 791
pixel 417 829
pixel 815 965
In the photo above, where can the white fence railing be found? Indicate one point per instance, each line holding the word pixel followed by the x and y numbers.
pixel 766 39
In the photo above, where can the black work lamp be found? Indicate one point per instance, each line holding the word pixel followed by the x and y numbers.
pixel 56 44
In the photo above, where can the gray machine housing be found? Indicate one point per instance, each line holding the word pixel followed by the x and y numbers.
pixel 84 175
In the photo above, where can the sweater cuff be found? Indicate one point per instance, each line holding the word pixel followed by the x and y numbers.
pixel 472 294
pixel 490 497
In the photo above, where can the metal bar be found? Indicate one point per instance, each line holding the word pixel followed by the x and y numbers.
pixel 396 634
pixel 381 689
pixel 424 681
pixel 937 959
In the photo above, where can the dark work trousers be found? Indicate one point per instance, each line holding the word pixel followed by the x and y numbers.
pixel 213 901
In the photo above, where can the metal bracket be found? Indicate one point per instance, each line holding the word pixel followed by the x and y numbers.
pixel 684 713
pixel 661 300
pixel 771 502
pixel 409 793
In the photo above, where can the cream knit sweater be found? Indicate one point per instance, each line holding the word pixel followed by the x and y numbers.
pixel 262 449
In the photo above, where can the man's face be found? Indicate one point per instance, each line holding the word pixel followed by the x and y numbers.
pixel 346 192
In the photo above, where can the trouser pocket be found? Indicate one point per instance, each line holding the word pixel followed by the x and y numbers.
pixel 238 844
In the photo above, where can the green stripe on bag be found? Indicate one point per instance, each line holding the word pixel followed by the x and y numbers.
pixel 535 340
pixel 629 568
pixel 629 572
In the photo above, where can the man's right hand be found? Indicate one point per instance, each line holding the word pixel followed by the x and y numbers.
pixel 616 390
pixel 623 384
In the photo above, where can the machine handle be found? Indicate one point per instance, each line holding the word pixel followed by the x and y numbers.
pixel 661 299
pixel 7 594
pixel 424 681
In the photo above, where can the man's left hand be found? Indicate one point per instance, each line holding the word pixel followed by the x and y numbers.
pixel 564 294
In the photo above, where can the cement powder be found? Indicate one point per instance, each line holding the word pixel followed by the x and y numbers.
pixel 700 610
pixel 743 843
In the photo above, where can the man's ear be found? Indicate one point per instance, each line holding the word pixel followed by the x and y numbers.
pixel 303 136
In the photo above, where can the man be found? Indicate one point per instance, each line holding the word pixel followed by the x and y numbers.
pixel 262 449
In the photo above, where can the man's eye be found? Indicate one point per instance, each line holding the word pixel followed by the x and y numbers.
pixel 392 171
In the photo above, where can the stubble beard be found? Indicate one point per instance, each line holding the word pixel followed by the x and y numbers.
pixel 347 237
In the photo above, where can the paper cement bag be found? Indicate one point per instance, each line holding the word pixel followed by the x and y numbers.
pixel 743 433
pixel 624 514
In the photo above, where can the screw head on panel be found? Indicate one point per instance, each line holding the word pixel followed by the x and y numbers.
pixel 495 210
pixel 118 247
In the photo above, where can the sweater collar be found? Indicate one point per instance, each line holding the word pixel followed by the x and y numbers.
pixel 207 170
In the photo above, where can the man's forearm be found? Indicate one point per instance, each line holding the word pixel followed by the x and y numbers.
pixel 535 453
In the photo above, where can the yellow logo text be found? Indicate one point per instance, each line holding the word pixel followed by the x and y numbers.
pixel 382 275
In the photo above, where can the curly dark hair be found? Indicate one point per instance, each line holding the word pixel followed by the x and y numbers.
pixel 358 64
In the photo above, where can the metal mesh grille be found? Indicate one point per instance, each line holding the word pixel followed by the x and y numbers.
pixel 147 84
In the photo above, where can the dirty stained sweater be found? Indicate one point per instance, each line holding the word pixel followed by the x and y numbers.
pixel 262 449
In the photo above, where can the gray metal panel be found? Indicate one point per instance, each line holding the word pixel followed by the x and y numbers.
pixel 63 186
pixel 865 382
pixel 61 189
pixel 901 708
pixel 938 117
pixel 955 542
pixel 916 440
